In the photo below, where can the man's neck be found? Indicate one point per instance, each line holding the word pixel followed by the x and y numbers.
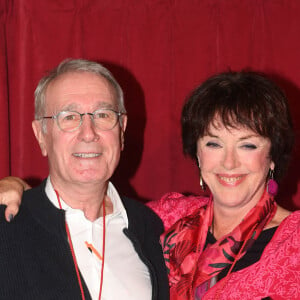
pixel 84 196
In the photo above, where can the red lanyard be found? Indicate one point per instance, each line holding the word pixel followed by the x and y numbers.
pixel 73 252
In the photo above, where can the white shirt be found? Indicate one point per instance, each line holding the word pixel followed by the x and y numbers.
pixel 125 275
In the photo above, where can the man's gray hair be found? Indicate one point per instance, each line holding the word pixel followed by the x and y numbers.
pixel 75 65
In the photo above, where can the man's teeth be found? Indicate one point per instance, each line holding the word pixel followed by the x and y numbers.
pixel 86 155
pixel 230 179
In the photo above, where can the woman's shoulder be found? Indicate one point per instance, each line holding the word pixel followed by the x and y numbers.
pixel 290 226
pixel 276 274
pixel 286 240
pixel 173 206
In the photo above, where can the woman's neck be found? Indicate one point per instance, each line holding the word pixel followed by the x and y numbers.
pixel 225 220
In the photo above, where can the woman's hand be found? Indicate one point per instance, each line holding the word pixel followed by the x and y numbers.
pixel 11 190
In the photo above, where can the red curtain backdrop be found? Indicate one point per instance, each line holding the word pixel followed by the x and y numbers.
pixel 158 50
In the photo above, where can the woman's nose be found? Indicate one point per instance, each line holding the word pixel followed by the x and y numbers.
pixel 231 159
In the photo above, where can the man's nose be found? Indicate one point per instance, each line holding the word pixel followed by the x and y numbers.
pixel 87 130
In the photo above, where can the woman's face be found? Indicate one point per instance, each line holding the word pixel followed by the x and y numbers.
pixel 234 164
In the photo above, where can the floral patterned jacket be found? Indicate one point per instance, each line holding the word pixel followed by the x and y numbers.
pixel 275 276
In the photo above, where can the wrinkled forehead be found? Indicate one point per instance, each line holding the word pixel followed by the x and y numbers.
pixel 76 89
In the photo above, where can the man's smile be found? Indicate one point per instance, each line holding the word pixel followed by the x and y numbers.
pixel 86 155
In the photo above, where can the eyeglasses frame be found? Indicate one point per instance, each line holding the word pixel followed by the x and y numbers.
pixel 55 117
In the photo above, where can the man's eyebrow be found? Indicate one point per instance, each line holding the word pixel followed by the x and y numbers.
pixel 105 105
pixel 71 106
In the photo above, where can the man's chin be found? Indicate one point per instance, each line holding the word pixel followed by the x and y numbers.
pixel 90 178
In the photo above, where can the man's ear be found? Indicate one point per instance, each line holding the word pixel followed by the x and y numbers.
pixel 123 128
pixel 39 135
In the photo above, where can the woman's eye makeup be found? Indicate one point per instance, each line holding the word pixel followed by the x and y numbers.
pixel 249 146
pixel 212 144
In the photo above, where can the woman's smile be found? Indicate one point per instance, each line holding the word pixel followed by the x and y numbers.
pixel 231 180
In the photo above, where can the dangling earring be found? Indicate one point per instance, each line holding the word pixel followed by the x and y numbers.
pixel 272 186
pixel 202 184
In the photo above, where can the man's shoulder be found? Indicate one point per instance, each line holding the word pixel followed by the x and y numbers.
pixel 139 214
pixel 31 208
pixel 36 204
pixel 137 207
pixel 35 192
pixel 130 202
pixel 35 199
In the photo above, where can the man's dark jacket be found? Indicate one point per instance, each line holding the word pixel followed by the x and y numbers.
pixel 36 260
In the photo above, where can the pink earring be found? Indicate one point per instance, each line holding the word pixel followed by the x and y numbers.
pixel 272 186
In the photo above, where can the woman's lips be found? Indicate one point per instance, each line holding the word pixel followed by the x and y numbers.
pixel 230 180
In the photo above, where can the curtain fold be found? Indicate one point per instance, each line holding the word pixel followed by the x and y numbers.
pixel 159 50
pixel 4 97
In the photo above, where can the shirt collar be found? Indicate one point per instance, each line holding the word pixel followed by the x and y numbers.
pixel 112 193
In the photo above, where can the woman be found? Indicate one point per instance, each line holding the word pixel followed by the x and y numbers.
pixel 237 243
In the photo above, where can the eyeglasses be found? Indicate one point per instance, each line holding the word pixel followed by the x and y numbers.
pixel 103 119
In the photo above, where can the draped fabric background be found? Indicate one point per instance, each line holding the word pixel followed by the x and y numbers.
pixel 159 50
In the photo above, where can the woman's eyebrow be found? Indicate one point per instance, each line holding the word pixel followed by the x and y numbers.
pixel 249 136
pixel 212 135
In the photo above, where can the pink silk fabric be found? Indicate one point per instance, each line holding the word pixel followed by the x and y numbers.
pixel 275 275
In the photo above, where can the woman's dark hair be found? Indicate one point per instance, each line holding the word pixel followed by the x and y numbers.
pixel 247 99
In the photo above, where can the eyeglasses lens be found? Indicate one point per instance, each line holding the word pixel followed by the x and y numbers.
pixel 103 119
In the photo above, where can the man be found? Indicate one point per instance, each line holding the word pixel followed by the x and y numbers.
pixel 74 237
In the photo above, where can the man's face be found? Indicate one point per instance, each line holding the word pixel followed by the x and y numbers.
pixel 86 155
